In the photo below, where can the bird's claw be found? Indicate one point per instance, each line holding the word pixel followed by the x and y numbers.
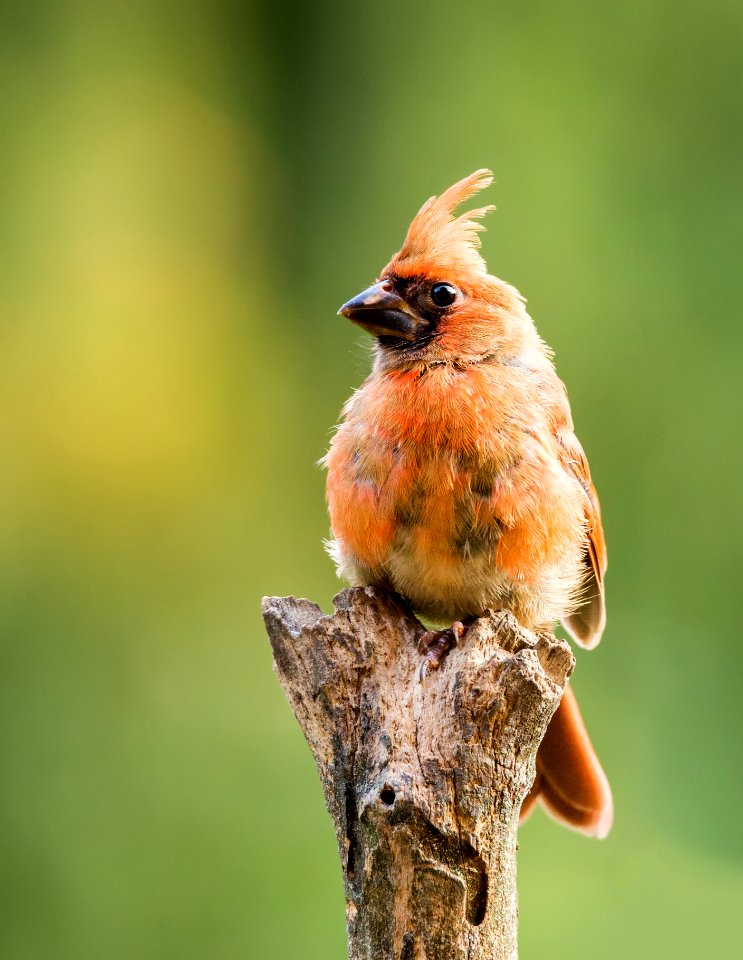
pixel 436 644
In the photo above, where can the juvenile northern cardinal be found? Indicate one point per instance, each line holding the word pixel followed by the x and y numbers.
pixel 455 477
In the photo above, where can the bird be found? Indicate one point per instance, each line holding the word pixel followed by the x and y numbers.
pixel 456 480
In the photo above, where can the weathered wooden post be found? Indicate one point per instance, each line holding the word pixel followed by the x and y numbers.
pixel 423 776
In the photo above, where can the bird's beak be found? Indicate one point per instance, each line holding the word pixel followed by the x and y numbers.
pixel 383 312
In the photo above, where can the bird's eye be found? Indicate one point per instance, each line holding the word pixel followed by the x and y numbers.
pixel 443 294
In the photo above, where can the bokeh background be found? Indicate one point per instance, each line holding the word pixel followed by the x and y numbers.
pixel 188 192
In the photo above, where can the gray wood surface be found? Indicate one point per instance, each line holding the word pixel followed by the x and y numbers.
pixel 423 775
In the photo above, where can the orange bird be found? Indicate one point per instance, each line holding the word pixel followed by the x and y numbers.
pixel 455 477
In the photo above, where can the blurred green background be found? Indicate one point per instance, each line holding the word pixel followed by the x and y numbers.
pixel 189 190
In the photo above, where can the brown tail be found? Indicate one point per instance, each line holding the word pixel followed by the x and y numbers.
pixel 570 781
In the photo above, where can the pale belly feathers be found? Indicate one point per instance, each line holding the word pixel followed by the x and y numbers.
pixel 456 519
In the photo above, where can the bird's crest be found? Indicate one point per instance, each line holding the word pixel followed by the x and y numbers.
pixel 438 241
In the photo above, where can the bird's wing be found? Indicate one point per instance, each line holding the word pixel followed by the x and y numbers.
pixel 586 624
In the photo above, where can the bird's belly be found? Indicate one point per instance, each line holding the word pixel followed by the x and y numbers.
pixel 447 583
pixel 457 536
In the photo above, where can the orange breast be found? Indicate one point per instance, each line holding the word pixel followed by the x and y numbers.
pixel 449 470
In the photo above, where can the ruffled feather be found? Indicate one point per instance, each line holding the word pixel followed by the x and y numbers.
pixel 437 242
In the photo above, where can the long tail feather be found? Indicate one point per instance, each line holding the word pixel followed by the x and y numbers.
pixel 570 781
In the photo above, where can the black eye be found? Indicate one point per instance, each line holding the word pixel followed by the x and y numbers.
pixel 443 294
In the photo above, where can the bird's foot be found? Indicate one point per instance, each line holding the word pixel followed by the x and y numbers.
pixel 436 644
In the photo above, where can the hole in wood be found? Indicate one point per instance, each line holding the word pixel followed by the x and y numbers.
pixel 387 795
pixel 477 893
pixel 352 815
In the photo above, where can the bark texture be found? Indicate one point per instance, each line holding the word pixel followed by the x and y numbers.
pixel 423 776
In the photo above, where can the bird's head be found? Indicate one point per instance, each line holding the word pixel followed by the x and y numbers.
pixel 435 298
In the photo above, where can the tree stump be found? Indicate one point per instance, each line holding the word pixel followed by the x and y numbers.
pixel 423 776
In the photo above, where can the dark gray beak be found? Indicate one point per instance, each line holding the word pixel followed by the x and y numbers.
pixel 383 312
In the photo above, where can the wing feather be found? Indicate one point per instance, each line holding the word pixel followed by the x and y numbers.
pixel 586 623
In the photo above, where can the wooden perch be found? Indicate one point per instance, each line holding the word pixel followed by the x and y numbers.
pixel 424 778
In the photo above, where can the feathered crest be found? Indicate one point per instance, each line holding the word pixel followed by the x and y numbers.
pixel 437 240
